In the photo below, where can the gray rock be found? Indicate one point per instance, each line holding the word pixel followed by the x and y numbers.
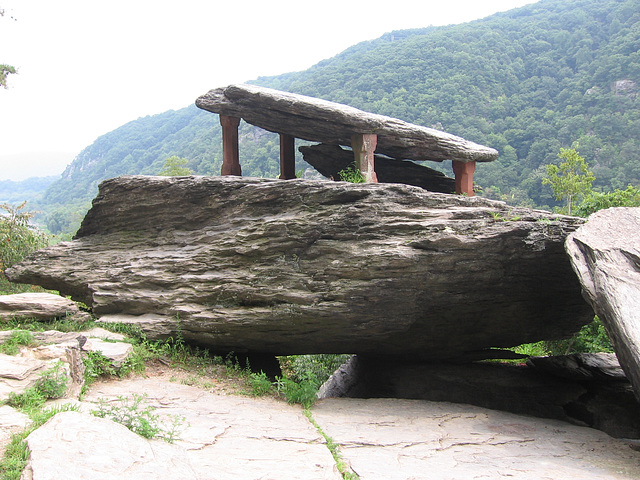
pixel 585 389
pixel 41 306
pixel 331 159
pixel 77 445
pixel 19 373
pixel 605 254
pixel 414 439
pixel 258 265
pixel 333 123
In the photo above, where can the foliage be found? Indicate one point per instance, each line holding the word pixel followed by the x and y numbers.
pixel 322 366
pixel 302 391
pixel 11 346
pixel 139 417
pixel 17 238
pixel 571 179
pixel 17 454
pixel 175 166
pixel 527 82
pixel 351 174
pixel 51 384
pixel 260 384
pixel 592 338
pixel 594 201
pixel 5 70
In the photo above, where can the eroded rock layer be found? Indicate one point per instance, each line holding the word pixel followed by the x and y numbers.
pixel 286 267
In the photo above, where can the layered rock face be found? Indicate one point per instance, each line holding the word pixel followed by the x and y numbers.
pixel 288 267
pixel 605 254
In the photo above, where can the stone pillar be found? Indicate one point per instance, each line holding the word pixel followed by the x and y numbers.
pixel 364 145
pixel 287 157
pixel 230 153
pixel 464 177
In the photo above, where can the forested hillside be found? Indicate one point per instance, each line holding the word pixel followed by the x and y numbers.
pixel 526 82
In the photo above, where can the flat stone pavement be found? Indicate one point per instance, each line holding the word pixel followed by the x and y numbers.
pixel 240 437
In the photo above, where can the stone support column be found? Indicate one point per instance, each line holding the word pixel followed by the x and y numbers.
pixel 364 146
pixel 464 177
pixel 230 151
pixel 287 157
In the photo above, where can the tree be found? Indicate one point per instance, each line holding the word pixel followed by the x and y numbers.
pixel 5 70
pixel 595 201
pixel 571 179
pixel 17 238
pixel 175 167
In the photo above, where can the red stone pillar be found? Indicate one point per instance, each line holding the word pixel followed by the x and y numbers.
pixel 364 146
pixel 230 153
pixel 464 177
pixel 287 157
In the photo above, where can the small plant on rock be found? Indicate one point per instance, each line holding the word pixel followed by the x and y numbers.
pixel 139 417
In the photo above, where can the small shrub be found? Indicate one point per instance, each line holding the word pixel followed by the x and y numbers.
pixel 53 383
pixel 302 392
pixel 260 384
pixel 11 346
pixel 139 417
pixel 351 174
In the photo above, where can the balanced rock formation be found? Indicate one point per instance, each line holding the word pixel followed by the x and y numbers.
pixel 329 160
pixel 605 254
pixel 287 267
pixel 333 123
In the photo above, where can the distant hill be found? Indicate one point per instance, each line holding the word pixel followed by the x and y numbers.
pixel 31 189
pixel 526 82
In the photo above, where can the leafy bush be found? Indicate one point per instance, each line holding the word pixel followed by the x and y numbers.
pixel 260 384
pixel 594 201
pixel 139 417
pixel 17 240
pixel 302 391
pixel 351 174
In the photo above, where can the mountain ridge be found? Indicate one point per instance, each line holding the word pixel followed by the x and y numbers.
pixel 527 82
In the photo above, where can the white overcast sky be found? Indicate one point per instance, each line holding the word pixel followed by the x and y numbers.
pixel 85 67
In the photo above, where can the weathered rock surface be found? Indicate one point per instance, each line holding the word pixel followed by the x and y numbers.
pixel 413 439
pixel 585 389
pixel 41 306
pixel 299 266
pixel 230 437
pixel 330 159
pixel 333 123
pixel 605 254
pixel 77 445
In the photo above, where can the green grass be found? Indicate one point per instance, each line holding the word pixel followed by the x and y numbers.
pixel 334 448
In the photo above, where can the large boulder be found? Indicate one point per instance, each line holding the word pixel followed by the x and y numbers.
pixel 287 267
pixel 605 253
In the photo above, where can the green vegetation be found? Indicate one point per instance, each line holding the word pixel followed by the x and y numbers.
pixel 351 174
pixel 16 455
pixel 11 346
pixel 594 201
pixel 571 179
pixel 52 384
pixel 527 82
pixel 334 448
pixel 175 166
pixel 18 238
pixel 139 417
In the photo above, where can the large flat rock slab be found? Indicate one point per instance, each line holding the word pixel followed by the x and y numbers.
pixel 299 266
pixel 333 123
pixel 605 254
pixel 79 445
pixel 232 437
pixel 412 439
pixel 38 305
